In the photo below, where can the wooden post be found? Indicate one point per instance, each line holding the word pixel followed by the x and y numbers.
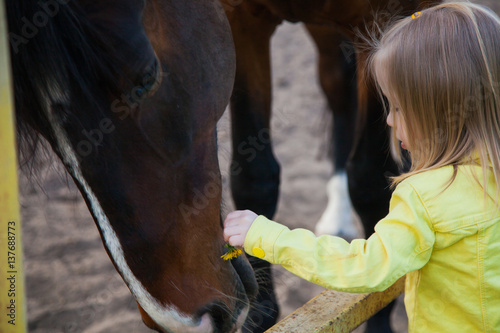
pixel 12 299
pixel 335 311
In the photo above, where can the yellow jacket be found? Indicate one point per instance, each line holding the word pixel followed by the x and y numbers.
pixel 447 241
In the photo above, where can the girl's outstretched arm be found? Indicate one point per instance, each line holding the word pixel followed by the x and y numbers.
pixel 402 242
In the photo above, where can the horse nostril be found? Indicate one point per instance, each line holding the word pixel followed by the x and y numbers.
pixel 221 316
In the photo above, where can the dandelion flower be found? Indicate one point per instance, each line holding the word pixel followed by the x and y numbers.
pixel 231 253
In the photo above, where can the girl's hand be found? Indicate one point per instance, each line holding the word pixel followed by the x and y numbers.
pixel 236 226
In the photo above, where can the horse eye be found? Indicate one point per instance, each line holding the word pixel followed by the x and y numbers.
pixel 139 92
pixel 151 81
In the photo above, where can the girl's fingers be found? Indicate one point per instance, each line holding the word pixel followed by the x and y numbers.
pixel 233 218
pixel 236 214
pixel 236 226
pixel 227 234
pixel 240 216
pixel 230 231
pixel 236 240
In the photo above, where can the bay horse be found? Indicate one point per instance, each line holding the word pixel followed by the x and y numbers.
pixel 128 93
pixel 361 155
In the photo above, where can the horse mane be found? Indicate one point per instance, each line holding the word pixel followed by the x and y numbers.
pixel 69 64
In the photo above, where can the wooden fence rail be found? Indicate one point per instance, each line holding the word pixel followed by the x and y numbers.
pixel 334 311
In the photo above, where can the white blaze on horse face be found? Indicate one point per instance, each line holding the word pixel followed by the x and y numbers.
pixel 168 317
pixel 338 219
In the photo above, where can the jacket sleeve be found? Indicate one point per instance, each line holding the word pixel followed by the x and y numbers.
pixel 402 243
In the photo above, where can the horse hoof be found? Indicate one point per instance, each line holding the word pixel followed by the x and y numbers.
pixel 338 218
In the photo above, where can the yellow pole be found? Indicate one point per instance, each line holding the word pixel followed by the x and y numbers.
pixel 12 301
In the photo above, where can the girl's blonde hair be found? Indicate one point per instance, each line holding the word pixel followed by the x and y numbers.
pixel 441 69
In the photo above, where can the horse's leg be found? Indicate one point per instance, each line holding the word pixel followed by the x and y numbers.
pixel 337 75
pixel 254 170
pixel 368 168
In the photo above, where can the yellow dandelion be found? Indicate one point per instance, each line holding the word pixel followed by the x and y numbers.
pixel 231 253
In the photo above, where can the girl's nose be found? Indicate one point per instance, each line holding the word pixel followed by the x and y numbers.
pixel 390 119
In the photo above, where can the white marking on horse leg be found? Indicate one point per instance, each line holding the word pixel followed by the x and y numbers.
pixel 338 217
pixel 167 317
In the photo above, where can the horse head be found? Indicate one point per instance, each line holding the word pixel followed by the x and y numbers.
pixel 128 94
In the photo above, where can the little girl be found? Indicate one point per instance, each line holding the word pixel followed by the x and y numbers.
pixel 440 73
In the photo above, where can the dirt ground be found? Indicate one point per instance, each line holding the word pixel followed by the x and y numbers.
pixel 72 285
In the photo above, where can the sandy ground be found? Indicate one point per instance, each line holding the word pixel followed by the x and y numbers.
pixel 72 285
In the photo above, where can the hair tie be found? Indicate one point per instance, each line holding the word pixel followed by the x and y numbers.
pixel 415 15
